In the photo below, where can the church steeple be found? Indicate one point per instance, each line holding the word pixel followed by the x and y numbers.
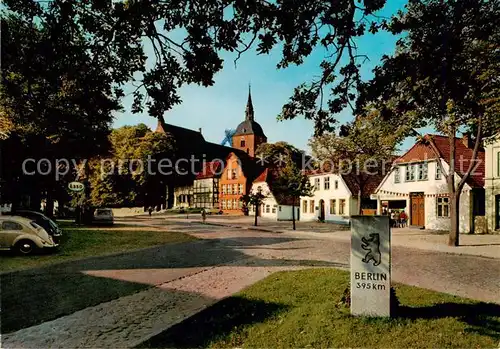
pixel 249 116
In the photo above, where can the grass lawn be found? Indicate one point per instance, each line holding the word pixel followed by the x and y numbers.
pixel 30 296
pixel 302 309
pixel 81 242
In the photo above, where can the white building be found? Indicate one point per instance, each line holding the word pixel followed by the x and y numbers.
pixel 492 183
pixel 274 206
pixel 335 198
pixel 416 185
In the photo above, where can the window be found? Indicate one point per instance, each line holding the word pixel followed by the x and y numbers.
pixel 311 206
pixel 229 205
pixel 438 172
pixel 268 208
pixel 422 172
pixel 410 173
pixel 224 206
pixel 242 142
pixel 304 206
pixel 333 208
pixel 397 175
pixel 240 188
pixel 336 184
pixel 443 207
pixel 235 188
pixel 233 174
pixel 224 187
pixel 279 208
pixel 274 208
pixel 9 225
pixel 240 204
pixel 236 204
pixel 326 183
pixel 341 206
pixel 316 183
pixel 498 164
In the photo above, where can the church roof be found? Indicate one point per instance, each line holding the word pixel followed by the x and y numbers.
pixel 249 126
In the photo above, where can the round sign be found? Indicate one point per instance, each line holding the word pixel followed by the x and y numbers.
pixel 76 186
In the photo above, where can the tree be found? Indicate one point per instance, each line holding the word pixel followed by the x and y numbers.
pixel 292 182
pixel 117 33
pixel 444 75
pixel 279 154
pixel 254 199
pixel 363 153
pixel 122 178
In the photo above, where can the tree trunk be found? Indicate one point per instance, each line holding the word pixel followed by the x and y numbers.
pixel 256 213
pixel 49 204
pixel 359 201
pixel 293 214
pixel 454 237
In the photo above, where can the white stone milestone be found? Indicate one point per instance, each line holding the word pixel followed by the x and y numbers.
pixel 370 265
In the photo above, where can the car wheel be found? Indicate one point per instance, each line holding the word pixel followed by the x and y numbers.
pixel 25 247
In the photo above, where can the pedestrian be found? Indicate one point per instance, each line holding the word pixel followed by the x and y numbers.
pixel 393 216
pixel 404 218
pixel 203 215
pixel 397 221
pixel 150 210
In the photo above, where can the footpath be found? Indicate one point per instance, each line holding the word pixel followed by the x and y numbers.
pixel 486 245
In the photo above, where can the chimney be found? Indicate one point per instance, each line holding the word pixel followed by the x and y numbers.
pixel 466 140
pixel 199 129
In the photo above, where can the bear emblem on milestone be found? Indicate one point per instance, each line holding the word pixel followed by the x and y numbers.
pixel 372 245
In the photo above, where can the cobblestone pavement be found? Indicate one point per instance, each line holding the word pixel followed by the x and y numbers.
pixel 185 278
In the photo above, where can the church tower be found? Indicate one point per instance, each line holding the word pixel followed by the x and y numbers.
pixel 249 134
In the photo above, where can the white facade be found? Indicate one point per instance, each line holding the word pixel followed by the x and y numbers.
pixel 183 196
pixel 331 193
pixel 431 185
pixel 270 207
pixel 492 183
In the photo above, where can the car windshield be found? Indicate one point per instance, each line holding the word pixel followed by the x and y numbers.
pixel 103 212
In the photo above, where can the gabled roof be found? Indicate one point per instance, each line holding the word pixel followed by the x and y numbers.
pixel 350 181
pixel 210 169
pixel 422 151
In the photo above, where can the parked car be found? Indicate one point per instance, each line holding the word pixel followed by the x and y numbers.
pixel 45 222
pixel 103 216
pixel 214 210
pixel 23 235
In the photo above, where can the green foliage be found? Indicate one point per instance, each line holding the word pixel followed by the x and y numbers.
pixel 188 37
pixel 121 180
pixel 280 154
pixel 292 182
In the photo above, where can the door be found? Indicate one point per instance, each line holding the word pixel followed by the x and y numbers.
pixel 497 212
pixel 321 210
pixel 418 210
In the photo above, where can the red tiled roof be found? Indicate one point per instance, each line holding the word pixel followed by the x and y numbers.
pixel 369 187
pixel 262 177
pixel 422 151
pixel 210 170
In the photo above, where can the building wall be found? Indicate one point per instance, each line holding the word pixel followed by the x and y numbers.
pixel 251 143
pixel 226 180
pixel 276 211
pixel 341 193
pixel 285 213
pixel 183 196
pixel 390 190
pixel 205 193
pixel 492 182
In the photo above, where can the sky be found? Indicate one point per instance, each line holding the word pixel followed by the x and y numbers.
pixel 222 106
